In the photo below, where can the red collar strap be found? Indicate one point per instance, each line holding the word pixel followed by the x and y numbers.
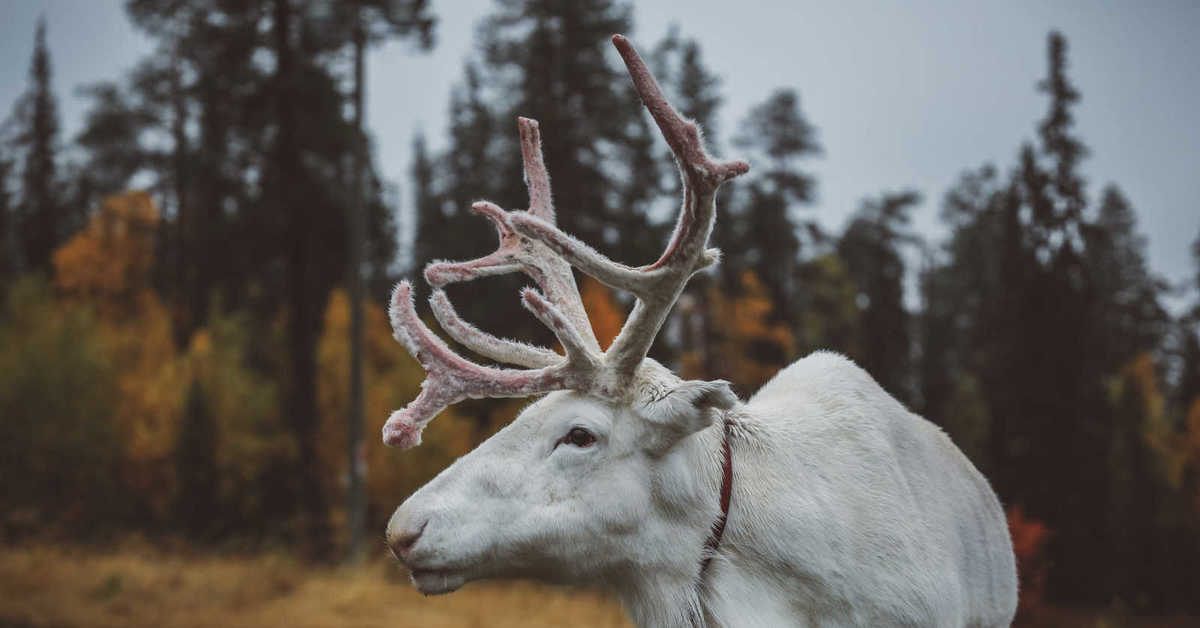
pixel 718 526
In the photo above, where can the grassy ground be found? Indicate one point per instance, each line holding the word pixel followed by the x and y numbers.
pixel 47 586
pixel 65 588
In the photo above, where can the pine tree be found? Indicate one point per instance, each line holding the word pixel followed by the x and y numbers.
pixel 42 221
pixel 1196 261
pixel 936 341
pixel 110 137
pixel 1189 379
pixel 448 229
pixel 552 61
pixel 176 121
pixel 195 457
pixel 1056 301
pixel 8 243
pixel 354 22
pixel 471 169
pixel 870 247
pixel 311 200
pixel 1064 149
pixel 978 292
pixel 431 222
pixel 768 234
pixel 1128 308
pixel 257 169
pixel 1188 388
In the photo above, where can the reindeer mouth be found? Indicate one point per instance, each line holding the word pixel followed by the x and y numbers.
pixel 436 581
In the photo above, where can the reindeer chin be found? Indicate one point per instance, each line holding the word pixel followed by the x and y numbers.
pixel 434 582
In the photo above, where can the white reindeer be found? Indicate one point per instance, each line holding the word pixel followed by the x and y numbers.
pixel 821 501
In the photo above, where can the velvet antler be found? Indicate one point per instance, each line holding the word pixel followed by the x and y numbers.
pixel 530 242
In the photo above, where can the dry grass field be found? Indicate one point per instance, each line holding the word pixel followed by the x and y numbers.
pixel 46 586
pixel 51 587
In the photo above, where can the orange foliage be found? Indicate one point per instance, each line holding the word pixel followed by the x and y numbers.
pixel 1157 430
pixel 1029 537
pixel 106 266
pixel 752 346
pixel 108 261
pixel 602 309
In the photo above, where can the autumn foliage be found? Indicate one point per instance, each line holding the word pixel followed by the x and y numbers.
pixel 1029 538
pixel 603 312
pixel 126 426
pixel 105 267
pixel 752 345
pixel 108 262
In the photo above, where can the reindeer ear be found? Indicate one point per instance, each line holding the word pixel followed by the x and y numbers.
pixel 687 408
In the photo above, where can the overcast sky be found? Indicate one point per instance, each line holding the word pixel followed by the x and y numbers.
pixel 903 94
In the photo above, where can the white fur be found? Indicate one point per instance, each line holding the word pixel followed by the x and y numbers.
pixel 847 509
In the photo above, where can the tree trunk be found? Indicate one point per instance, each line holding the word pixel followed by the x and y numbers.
pixel 302 298
pixel 356 461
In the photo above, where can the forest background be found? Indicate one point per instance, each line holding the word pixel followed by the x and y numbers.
pixel 195 360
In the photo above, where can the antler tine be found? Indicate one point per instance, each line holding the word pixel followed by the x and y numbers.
pixel 582 256
pixel 500 262
pixel 685 253
pixel 514 253
pixel 485 344
pixel 683 136
pixel 537 179
pixel 657 286
pixel 557 280
pixel 577 351
pixel 450 378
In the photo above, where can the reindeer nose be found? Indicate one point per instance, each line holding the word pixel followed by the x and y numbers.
pixel 401 536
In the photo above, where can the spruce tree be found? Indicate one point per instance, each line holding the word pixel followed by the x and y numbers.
pixel 777 135
pixel 431 222
pixel 41 220
pixel 1187 392
pixel 8 242
pixel 1188 389
pixel 1056 302
pixel 256 169
pixel 936 340
pixel 471 169
pixel 1128 294
pixel 1057 141
pixel 552 61
pixel 870 248
pixel 196 499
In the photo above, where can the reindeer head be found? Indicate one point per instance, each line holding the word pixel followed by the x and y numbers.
pixel 593 480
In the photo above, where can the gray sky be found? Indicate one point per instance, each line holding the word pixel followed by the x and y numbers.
pixel 903 94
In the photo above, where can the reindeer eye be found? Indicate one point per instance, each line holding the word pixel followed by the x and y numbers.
pixel 579 437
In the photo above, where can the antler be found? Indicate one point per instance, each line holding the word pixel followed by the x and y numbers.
pixel 516 253
pixel 530 242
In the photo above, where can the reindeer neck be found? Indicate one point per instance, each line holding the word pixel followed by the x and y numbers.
pixel 671 593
